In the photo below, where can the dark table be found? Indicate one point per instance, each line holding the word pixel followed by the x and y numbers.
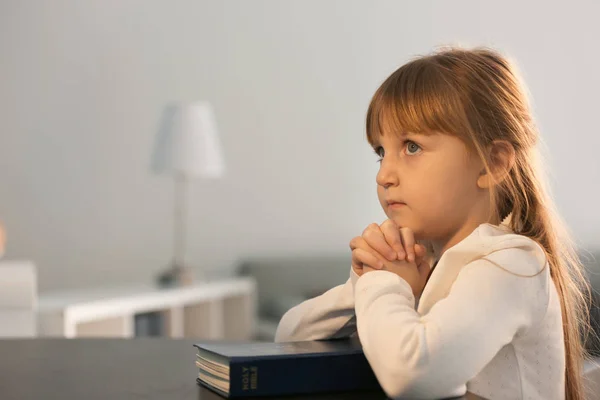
pixel 145 368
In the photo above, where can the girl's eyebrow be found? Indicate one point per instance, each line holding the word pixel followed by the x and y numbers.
pixel 401 135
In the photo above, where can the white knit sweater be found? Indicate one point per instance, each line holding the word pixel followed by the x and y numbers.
pixel 480 325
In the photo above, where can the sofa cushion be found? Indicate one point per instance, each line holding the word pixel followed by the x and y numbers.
pixel 285 281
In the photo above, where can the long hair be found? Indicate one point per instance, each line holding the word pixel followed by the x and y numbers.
pixel 477 95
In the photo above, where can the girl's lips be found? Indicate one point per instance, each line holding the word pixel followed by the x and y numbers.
pixel 396 205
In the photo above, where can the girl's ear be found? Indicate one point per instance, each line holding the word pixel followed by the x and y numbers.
pixel 502 160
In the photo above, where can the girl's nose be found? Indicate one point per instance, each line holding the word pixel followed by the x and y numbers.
pixel 387 175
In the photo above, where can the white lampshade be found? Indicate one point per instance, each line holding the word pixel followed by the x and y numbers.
pixel 188 142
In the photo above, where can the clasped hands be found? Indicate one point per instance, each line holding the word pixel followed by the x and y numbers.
pixel 391 248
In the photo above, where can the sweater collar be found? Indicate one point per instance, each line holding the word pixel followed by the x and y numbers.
pixel 484 239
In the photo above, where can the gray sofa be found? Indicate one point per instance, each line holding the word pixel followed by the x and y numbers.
pixel 286 281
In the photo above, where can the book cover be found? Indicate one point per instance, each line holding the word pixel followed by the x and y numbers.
pixel 251 369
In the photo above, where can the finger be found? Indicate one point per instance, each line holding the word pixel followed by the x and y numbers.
pixel 364 258
pixel 391 233
pixel 420 251
pixel 360 243
pixel 357 264
pixel 358 271
pixel 376 240
pixel 408 241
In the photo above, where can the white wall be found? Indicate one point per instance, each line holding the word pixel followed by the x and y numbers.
pixel 82 86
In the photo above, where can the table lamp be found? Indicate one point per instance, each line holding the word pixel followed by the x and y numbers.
pixel 187 146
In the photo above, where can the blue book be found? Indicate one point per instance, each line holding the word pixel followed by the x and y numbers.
pixel 253 369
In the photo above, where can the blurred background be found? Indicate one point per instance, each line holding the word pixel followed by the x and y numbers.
pixel 83 86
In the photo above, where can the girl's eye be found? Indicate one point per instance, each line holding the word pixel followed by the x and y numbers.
pixel 412 148
pixel 379 152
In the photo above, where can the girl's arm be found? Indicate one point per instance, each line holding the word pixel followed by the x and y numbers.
pixel 434 355
pixel 328 316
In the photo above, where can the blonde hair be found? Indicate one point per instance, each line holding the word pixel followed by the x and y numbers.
pixel 477 96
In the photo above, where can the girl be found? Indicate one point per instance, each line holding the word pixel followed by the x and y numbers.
pixel 472 283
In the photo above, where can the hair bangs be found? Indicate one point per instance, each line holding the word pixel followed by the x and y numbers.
pixel 417 98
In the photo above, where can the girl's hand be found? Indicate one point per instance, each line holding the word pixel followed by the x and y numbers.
pixel 380 243
pixel 402 256
pixel 413 273
pixel 373 246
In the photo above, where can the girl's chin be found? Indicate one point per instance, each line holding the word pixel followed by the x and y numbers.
pixel 401 222
pixel 417 231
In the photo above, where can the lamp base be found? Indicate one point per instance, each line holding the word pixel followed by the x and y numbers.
pixel 176 276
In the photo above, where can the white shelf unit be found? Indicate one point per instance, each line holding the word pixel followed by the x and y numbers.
pixel 215 310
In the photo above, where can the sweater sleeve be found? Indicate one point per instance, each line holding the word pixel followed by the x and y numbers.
pixel 328 316
pixel 434 355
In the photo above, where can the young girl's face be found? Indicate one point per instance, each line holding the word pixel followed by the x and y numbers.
pixel 436 179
